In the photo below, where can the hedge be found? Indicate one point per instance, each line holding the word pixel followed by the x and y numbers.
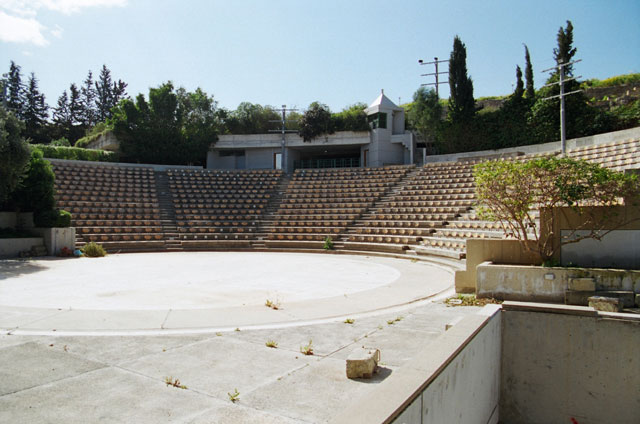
pixel 75 153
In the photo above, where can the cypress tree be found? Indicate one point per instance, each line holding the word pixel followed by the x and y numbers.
pixel 15 92
pixel 519 91
pixel 35 112
pixel 528 74
pixel 461 101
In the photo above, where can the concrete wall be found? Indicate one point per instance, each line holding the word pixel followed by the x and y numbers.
pixel 455 379
pixel 632 133
pixel 55 239
pixel 495 250
pixel 155 167
pixel 538 284
pixel 618 249
pixel 561 362
pixel 9 248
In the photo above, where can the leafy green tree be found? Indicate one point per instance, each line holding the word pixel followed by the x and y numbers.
pixel 511 192
pixel 565 51
pixel 316 121
pixel 351 118
pixel 519 91
pixel 35 112
pixel 425 114
pixel 14 153
pixel 36 191
pixel 249 118
pixel 461 101
pixel 528 75
pixel 171 128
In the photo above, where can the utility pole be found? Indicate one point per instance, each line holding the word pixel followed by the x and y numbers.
pixel 284 131
pixel 436 73
pixel 560 68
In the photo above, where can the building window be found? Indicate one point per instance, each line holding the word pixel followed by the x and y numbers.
pixel 377 120
pixel 226 153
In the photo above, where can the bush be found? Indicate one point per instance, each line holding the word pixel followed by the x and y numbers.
pixel 61 142
pixel 52 219
pixel 328 244
pixel 75 153
pixel 93 250
pixel 36 191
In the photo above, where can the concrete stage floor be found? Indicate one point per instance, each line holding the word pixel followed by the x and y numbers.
pixel 204 291
pixel 109 365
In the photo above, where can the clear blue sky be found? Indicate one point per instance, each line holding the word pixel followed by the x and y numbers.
pixel 293 52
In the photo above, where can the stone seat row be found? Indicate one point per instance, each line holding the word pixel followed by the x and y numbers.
pixel 444 243
pixel 133 211
pixel 220 236
pixel 107 197
pixel 308 230
pixel 218 230
pixel 300 191
pixel 404 223
pixel 107 204
pixel 444 186
pixel 86 214
pixel 311 223
pixel 214 178
pixel 108 229
pixel 300 237
pixel 224 188
pixel 83 185
pixel 315 199
pixel 216 217
pixel 117 223
pixel 315 215
pixel 429 203
pixel 231 222
pixel 226 194
pixel 394 231
pixel 437 191
pixel 101 169
pixel 404 197
pixel 122 237
pixel 417 217
pixel 338 206
pixel 364 238
pixel 215 202
pixel 420 210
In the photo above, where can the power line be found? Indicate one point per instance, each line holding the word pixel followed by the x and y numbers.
pixel 435 62
pixel 284 131
pixel 560 69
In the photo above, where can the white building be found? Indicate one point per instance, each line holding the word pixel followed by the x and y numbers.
pixel 387 143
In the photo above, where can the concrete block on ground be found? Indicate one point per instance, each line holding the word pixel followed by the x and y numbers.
pixel 582 284
pixel 637 300
pixel 578 297
pixel 626 297
pixel 362 362
pixel 605 304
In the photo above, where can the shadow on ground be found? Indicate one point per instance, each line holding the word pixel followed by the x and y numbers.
pixel 10 268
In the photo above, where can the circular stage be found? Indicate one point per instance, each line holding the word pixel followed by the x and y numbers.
pixel 204 291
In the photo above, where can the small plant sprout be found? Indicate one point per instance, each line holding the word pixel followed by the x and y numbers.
pixel 349 321
pixel 170 381
pixel 235 396
pixel 271 304
pixel 308 349
pixel 271 343
pixel 237 329
pixel 393 321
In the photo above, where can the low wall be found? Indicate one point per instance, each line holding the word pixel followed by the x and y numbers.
pixel 10 248
pixel 456 379
pixel 155 167
pixel 495 250
pixel 563 362
pixel 13 219
pixel 55 239
pixel 541 284
pixel 574 143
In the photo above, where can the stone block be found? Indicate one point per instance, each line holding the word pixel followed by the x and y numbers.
pixel 626 297
pixel 605 304
pixel 362 362
pixel 580 298
pixel 582 284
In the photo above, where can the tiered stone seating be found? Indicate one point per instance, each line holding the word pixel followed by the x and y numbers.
pixel 220 208
pixel 321 203
pixel 427 200
pixel 112 205
pixel 619 155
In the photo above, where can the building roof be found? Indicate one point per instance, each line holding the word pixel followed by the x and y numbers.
pixel 382 104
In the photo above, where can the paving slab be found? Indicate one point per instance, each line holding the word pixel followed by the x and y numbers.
pixel 218 366
pixel 312 393
pixel 44 365
pixel 108 395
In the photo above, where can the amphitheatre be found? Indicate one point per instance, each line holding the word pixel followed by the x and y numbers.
pixel 173 320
